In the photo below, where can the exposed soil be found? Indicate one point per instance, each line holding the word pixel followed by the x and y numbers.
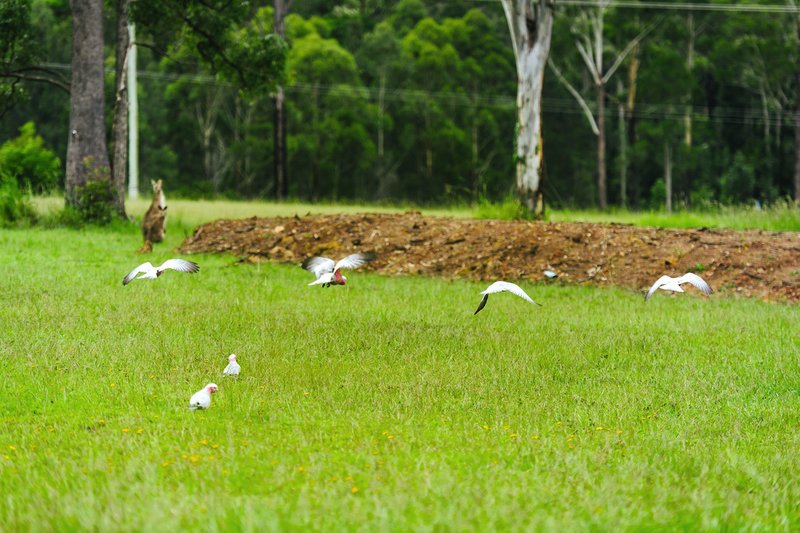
pixel 753 263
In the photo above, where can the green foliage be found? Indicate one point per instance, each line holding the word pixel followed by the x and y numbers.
pixel 227 36
pixel 15 204
pixel 27 159
pixel 95 202
pixel 413 101
pixel 738 181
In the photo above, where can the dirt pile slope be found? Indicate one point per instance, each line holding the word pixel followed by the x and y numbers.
pixel 753 263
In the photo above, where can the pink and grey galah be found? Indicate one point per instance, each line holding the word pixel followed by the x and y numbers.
pixel 329 273
pixel 202 398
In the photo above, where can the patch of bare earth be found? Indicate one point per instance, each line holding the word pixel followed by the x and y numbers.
pixel 753 263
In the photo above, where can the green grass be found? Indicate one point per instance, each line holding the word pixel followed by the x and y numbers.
pixel 186 214
pixel 780 218
pixel 384 405
pixel 189 213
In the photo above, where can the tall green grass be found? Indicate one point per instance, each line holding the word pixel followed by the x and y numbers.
pixel 382 405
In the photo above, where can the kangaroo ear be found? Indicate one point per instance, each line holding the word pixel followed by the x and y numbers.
pixel 153 184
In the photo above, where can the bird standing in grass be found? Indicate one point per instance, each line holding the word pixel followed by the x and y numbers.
pixel 666 283
pixel 328 272
pixel 502 286
pixel 233 367
pixel 148 271
pixel 202 398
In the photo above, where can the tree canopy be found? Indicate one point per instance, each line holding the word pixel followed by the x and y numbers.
pixel 416 100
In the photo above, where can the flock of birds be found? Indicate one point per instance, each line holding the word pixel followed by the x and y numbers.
pixel 328 272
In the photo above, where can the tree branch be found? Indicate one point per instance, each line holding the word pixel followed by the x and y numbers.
pixel 621 57
pixel 25 74
pixel 577 95
pixel 588 60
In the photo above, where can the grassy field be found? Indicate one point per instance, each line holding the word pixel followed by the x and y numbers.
pixel 383 405
pixel 186 214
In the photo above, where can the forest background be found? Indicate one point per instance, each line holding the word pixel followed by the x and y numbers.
pixel 414 101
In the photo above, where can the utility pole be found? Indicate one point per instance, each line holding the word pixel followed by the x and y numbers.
pixel 133 119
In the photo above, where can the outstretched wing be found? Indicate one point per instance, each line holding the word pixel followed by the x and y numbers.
pixel 354 261
pixel 181 265
pixel 659 282
pixel 133 273
pixel 504 286
pixel 482 304
pixel 697 281
pixel 318 265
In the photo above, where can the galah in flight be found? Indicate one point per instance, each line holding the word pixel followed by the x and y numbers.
pixel 667 283
pixel 148 271
pixel 502 286
pixel 329 273
pixel 233 367
pixel 202 398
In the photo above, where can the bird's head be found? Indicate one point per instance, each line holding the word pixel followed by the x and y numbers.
pixel 232 357
pixel 211 388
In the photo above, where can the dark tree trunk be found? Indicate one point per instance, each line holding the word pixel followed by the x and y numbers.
pixel 119 130
pixel 602 192
pixel 279 113
pixel 797 143
pixel 87 155
pixel 630 107
pixel 797 132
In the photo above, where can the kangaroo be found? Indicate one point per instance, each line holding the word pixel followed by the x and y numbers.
pixel 153 228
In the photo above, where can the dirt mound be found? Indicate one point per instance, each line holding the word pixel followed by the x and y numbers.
pixel 753 263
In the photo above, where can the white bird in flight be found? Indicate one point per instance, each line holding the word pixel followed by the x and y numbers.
pixel 502 286
pixel 233 367
pixel 328 271
pixel 202 398
pixel 148 271
pixel 667 283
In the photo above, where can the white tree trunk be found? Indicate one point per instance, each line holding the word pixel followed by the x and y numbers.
pixel 531 25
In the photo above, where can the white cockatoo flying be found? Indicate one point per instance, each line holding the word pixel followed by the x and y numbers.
pixel 148 271
pixel 502 286
pixel 667 283
pixel 328 272
pixel 202 398
pixel 233 367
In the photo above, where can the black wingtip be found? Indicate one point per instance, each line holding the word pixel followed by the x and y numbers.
pixel 306 262
pixel 482 304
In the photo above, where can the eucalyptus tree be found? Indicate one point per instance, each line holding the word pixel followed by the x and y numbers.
pixel 530 23
pixel 588 28
pixel 87 154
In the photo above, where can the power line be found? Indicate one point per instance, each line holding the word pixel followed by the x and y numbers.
pixel 643 110
pixel 678 6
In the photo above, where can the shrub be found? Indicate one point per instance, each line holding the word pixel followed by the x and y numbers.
pixel 15 204
pixel 95 202
pixel 26 159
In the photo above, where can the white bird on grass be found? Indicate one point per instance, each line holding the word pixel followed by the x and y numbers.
pixel 667 283
pixel 202 398
pixel 502 286
pixel 148 271
pixel 328 271
pixel 233 367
